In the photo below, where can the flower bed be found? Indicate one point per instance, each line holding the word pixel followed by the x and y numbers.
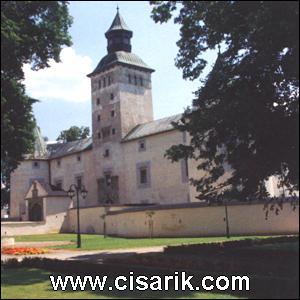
pixel 23 251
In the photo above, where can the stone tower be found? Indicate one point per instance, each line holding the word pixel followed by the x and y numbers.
pixel 121 88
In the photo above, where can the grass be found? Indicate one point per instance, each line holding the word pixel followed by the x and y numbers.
pixel 98 242
pixel 35 284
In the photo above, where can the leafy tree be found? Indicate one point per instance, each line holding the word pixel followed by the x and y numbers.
pixel 74 133
pixel 31 32
pixel 246 112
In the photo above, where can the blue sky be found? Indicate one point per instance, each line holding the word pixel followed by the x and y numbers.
pixel 64 89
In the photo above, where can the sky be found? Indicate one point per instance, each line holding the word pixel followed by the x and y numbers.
pixel 64 90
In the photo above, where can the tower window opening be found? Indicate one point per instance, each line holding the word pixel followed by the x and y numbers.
pixel 129 78
pixel 104 82
pixel 99 118
pixel 141 81
pixel 112 113
pixel 113 131
pixel 112 96
pixel 98 101
pixel 135 80
pixel 99 135
pixel 109 81
pixel 99 84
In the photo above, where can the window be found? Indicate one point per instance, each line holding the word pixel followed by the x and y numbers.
pixel 141 81
pixel 143 174
pixel 111 96
pixel 126 41
pixel 129 78
pixel 98 101
pixel 109 80
pixel 78 180
pixel 113 131
pixel 98 118
pixel 99 84
pixel 36 165
pixel 59 184
pixel 142 145
pixel 135 80
pixel 106 153
pixel 184 170
pixel 99 135
pixel 79 158
pixel 112 113
pixel 107 179
pixel 104 82
pixel 106 132
pixel 58 163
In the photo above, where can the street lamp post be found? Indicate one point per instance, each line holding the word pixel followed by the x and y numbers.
pixel 74 189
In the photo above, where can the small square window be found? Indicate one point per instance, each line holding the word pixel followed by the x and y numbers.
pixel 98 101
pixel 112 113
pixel 36 164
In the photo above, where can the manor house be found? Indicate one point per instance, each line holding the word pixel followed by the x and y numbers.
pixel 123 161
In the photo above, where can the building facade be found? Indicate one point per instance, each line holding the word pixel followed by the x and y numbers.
pixel 123 162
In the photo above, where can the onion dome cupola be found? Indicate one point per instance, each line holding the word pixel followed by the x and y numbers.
pixel 118 35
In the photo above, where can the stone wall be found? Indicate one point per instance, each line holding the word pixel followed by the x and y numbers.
pixel 187 220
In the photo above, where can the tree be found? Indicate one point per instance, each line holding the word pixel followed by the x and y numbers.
pixel 246 113
pixel 31 32
pixel 74 133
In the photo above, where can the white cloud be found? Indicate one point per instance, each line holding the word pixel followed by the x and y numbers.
pixel 65 81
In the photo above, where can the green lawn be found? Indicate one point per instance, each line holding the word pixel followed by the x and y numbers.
pixel 35 284
pixel 98 242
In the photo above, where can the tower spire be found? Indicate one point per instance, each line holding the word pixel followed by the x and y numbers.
pixel 118 35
